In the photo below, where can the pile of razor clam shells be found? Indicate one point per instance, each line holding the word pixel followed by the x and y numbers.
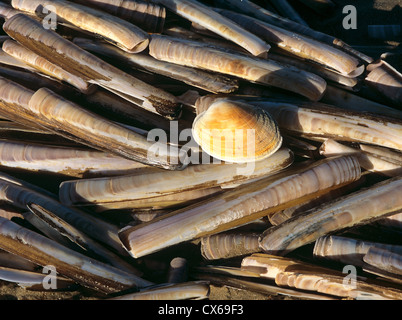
pixel 126 162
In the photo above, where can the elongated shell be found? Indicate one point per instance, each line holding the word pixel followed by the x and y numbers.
pixel 357 208
pixel 24 55
pixel 386 79
pixel 347 250
pixel 304 276
pixel 89 128
pixel 368 161
pixel 197 78
pixel 59 51
pixel 253 9
pixel 150 16
pixel 63 160
pixel 84 270
pixel 299 45
pixel 199 55
pixel 20 193
pixel 7 11
pixel 33 280
pixel 228 245
pixel 101 191
pixel 325 121
pixel 213 21
pixel 79 238
pixel 126 35
pixel 236 132
pixel 348 100
pixel 384 260
pixel 193 290
pixel 243 204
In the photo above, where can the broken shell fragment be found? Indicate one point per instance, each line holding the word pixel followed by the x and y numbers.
pixel 236 132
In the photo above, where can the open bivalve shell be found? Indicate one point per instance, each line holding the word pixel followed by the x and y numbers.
pixel 236 132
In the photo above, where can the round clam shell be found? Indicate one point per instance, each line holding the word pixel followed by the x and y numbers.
pixel 236 132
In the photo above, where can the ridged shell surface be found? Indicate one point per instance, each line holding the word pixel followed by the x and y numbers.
pixel 236 132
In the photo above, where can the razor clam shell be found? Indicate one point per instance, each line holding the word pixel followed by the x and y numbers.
pixel 193 290
pixel 213 21
pixel 197 78
pixel 63 116
pixel 32 280
pixel 383 152
pixel 79 238
pixel 7 11
pixel 280 216
pixel 328 75
pixel 228 245
pixel 348 100
pixel 304 276
pixel 248 280
pixel 199 55
pixel 62 52
pixel 14 104
pixel 9 61
pixel 243 204
pixel 43 251
pixel 253 9
pixel 326 121
pixel 385 79
pixel 385 260
pixel 67 161
pixel 40 64
pixel 347 250
pixel 150 16
pixel 12 261
pixel 368 161
pixel 118 31
pixel 299 45
pixel 359 207
pixel 163 183
pixel 163 202
pixel 20 193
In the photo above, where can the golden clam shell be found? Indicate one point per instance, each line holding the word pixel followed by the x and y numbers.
pixel 236 132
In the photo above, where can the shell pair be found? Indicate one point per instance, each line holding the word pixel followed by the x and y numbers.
pixel 234 131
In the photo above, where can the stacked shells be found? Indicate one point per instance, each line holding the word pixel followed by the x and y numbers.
pixel 167 146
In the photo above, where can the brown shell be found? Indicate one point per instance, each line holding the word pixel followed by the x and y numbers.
pixel 236 132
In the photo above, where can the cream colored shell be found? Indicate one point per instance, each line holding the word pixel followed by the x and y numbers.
pixel 236 132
